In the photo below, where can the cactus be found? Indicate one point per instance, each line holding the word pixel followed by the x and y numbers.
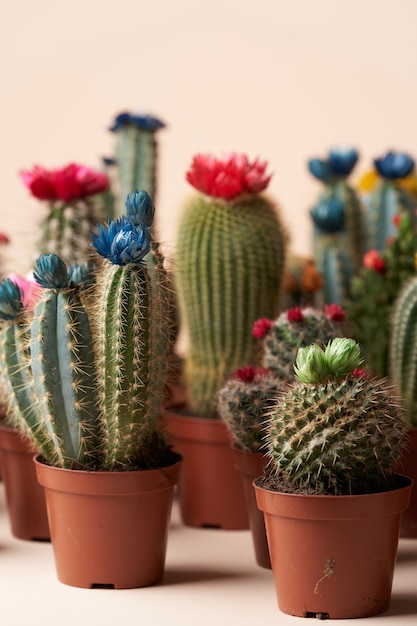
pixel 403 348
pixel 243 404
pixel 293 329
pixel 229 267
pixel 388 199
pixel 336 430
pixel 338 224
pixel 132 337
pixel 72 216
pixel 136 154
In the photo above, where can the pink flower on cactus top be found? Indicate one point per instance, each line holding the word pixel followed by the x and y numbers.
pixel 68 183
pixel 249 373
pixel 261 327
pixel 334 312
pixel 31 291
pixel 295 315
pixel 228 176
pixel 373 261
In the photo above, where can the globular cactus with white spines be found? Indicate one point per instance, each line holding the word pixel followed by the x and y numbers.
pixel 403 348
pixel 281 338
pixel 336 430
pixel 243 403
pixel 132 336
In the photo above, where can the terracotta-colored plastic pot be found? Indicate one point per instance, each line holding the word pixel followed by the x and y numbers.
pixel 210 488
pixel 408 467
pixel 251 465
pixel 24 496
pixel 333 556
pixel 109 529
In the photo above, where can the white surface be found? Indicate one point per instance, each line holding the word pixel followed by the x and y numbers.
pixel 211 578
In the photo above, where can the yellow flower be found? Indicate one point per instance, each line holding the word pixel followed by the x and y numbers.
pixel 368 181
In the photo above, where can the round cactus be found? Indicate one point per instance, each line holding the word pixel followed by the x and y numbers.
pixel 336 430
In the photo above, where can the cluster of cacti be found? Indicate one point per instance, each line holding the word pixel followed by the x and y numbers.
pixel 403 349
pixel 281 338
pixel 338 224
pixel 72 209
pixel 136 154
pixel 336 430
pixel 229 265
pixel 244 402
pixel 388 199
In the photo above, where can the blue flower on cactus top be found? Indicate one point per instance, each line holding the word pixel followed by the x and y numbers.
pixel 329 215
pixel 51 272
pixel 122 242
pixel 394 165
pixel 142 122
pixel 339 164
pixel 10 300
pixel 139 208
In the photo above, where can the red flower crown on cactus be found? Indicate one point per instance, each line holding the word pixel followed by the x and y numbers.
pixel 228 176
pixel 68 183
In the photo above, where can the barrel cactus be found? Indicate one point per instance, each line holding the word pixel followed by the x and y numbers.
pixel 336 430
pixel 229 265
pixel 244 402
pixel 338 224
pixel 71 195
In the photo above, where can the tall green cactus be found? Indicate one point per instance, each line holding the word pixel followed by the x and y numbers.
pixel 136 154
pixel 336 430
pixel 229 265
pixel 132 336
pixel 403 348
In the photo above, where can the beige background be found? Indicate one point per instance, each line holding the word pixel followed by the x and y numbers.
pixel 279 80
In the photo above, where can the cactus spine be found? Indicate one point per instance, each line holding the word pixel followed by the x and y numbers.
pixel 403 349
pixel 336 430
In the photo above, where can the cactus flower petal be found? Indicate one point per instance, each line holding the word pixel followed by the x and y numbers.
pixel 11 297
pixel 329 215
pixel 122 242
pixel 139 208
pixel 143 122
pixel 67 183
pixel 51 272
pixel 342 161
pixel 394 165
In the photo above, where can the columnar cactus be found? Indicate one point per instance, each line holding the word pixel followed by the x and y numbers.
pixel 403 348
pixel 335 431
pixel 338 224
pixel 72 215
pixel 281 338
pixel 132 336
pixel 229 267
pixel 136 154
pixel 388 199
pixel 244 402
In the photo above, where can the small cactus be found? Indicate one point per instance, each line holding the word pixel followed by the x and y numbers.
pixel 336 430
pixel 281 338
pixel 244 402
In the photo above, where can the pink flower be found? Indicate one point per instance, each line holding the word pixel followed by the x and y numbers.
pixel 334 312
pixel 295 315
pixel 4 238
pixel 261 327
pixel 397 219
pixel 249 373
pixel 373 261
pixel 227 177
pixel 31 291
pixel 66 183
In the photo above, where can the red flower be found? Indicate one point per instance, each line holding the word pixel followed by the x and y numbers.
pixel 4 238
pixel 67 183
pixel 373 261
pixel 334 312
pixel 397 219
pixel 295 315
pixel 249 373
pixel 261 327
pixel 359 372
pixel 227 177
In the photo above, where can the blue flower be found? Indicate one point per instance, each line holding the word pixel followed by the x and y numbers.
pixel 51 272
pixel 394 165
pixel 10 299
pixel 329 215
pixel 339 164
pixel 142 122
pixel 140 209
pixel 319 169
pixel 122 241
pixel 108 161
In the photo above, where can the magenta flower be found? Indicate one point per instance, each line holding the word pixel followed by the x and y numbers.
pixel 29 288
pixel 68 183
pixel 227 177
pixel 334 312
pixel 372 260
pixel 295 315
pixel 249 373
pixel 261 327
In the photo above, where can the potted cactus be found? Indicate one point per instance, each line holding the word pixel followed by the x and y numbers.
pixel 224 283
pixel 332 506
pixel 97 363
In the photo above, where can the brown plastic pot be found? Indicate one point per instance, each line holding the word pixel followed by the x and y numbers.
pixel 109 529
pixel 210 489
pixel 24 496
pixel 251 465
pixel 408 467
pixel 333 556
